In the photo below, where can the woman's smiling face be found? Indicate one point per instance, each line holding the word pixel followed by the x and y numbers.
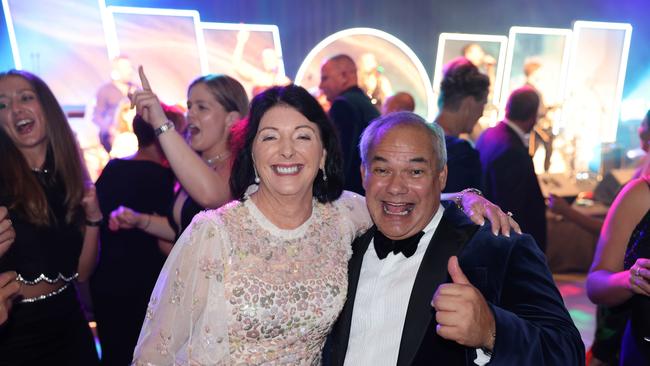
pixel 287 152
pixel 21 114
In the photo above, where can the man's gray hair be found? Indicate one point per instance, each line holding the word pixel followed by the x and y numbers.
pixel 383 124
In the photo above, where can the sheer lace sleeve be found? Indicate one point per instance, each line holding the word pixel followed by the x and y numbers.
pixel 186 321
pixel 354 211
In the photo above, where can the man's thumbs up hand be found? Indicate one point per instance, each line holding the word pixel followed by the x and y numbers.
pixel 457 275
pixel 462 313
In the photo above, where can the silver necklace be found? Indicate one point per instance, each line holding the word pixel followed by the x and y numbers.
pixel 218 158
pixel 40 170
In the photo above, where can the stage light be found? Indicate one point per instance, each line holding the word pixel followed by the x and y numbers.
pixel 12 35
pixel 634 109
pixel 635 106
pixel 110 34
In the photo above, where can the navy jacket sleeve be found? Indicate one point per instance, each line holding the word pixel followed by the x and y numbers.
pixel 533 326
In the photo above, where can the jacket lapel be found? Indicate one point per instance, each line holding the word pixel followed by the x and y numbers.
pixel 450 237
pixel 342 326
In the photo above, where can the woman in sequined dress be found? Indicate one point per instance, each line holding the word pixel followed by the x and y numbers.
pixel 271 274
pixel 620 273
pixel 55 215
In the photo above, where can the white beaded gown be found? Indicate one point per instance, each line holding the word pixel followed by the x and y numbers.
pixel 237 290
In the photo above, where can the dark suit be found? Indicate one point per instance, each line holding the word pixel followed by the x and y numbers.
pixel 351 112
pixel 510 180
pixel 463 165
pixel 532 325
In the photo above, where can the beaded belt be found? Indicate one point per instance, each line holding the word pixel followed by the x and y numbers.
pixel 45 296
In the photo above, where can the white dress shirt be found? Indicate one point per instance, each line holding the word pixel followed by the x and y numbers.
pixel 381 302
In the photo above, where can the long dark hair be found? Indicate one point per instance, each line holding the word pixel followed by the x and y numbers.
pixel 17 182
pixel 299 99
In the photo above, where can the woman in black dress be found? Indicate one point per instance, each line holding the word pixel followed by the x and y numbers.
pixel 620 273
pixel 130 260
pixel 56 218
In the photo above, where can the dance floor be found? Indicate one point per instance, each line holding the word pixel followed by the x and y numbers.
pixel 583 312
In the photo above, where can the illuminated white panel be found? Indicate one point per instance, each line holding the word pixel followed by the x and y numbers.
pixel 615 42
pixel 62 42
pixel 221 39
pixel 403 67
pixel 595 86
pixel 449 47
pixel 264 28
pixel 581 28
pixel 550 46
pixel 167 42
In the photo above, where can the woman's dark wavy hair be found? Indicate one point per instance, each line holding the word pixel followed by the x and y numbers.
pixel 461 79
pixel 299 99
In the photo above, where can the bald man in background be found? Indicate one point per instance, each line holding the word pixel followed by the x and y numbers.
pixel 398 102
pixel 351 112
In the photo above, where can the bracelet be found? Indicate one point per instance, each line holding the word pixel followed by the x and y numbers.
pixel 94 223
pixel 489 352
pixel 459 197
pixel 167 126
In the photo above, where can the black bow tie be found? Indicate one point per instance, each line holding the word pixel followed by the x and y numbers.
pixel 384 245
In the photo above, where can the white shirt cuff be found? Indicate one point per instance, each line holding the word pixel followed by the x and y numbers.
pixel 481 358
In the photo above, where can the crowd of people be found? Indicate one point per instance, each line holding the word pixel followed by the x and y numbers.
pixel 238 233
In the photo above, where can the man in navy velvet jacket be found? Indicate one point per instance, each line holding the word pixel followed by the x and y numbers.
pixel 429 287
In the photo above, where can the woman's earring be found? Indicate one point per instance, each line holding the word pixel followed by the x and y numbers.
pixel 324 175
pixel 257 177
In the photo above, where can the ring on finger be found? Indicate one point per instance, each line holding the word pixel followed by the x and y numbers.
pixel 509 214
pixel 637 271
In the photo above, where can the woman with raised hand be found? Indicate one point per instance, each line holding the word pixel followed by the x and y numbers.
pixel 215 103
pixel 54 211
